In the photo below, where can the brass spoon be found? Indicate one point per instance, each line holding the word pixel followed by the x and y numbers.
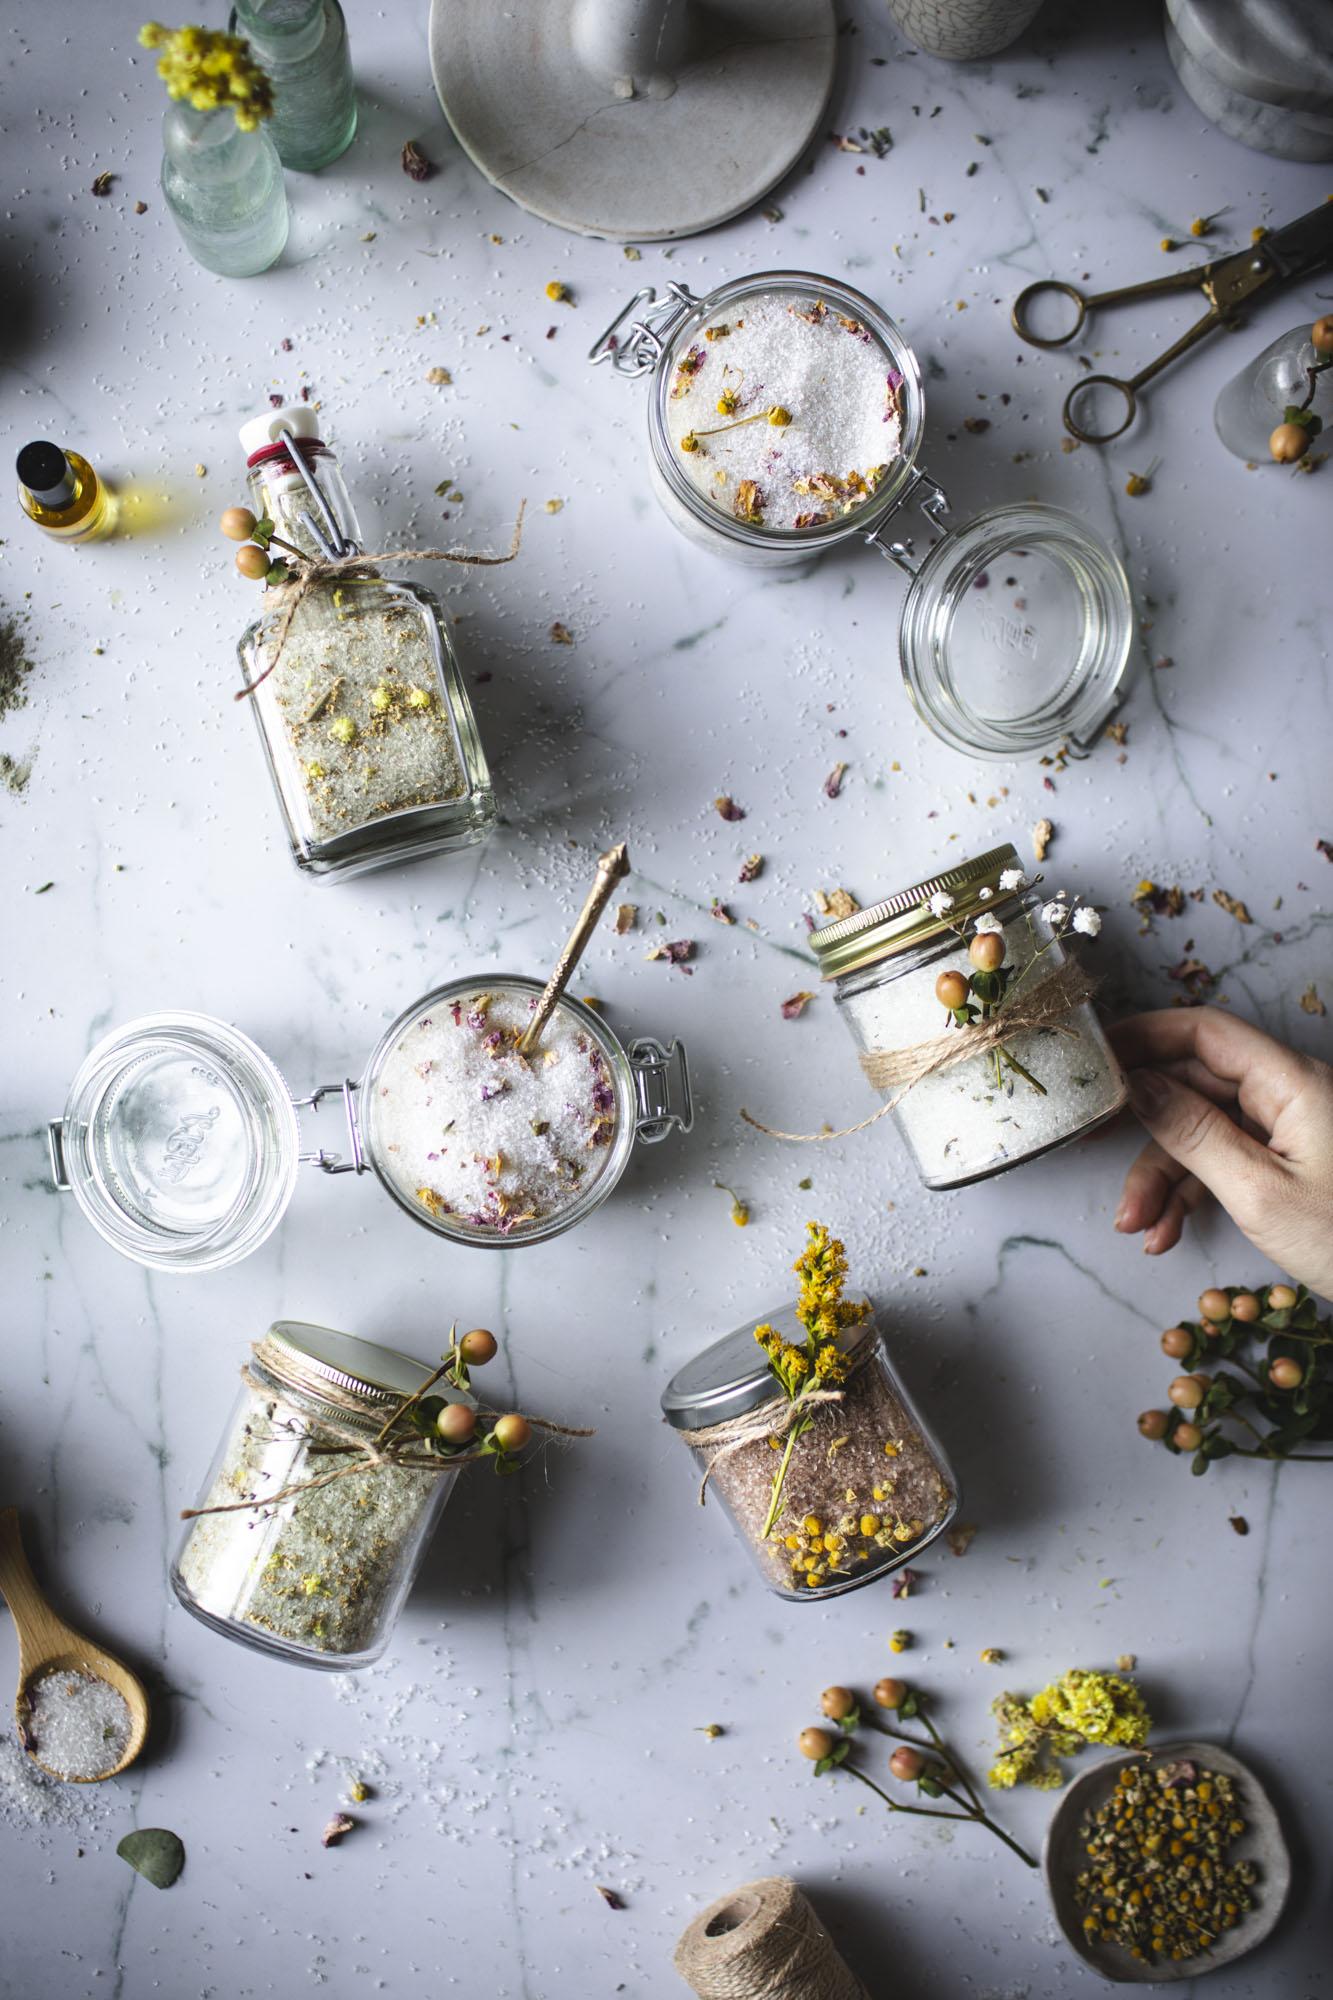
pixel 48 1645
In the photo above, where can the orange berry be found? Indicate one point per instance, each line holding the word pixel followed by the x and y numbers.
pixel 1214 1304
pixel 1285 1373
pixel 237 524
pixel 512 1432
pixel 478 1347
pixel 1188 1437
pixel 457 1423
pixel 1186 1392
pixel 1288 443
pixel 253 562
pixel 816 1743
pixel 951 989
pixel 907 1764
pixel 1152 1424
pixel 986 951
pixel 1177 1341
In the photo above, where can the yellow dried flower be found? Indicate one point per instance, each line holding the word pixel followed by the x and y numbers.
pixel 212 71
pixel 690 442
pixel 727 402
pixel 381 698
pixel 779 417
pixel 557 293
pixel 342 729
pixel 419 697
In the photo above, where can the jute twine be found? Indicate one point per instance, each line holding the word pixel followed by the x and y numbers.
pixel 383 1451
pixel 310 570
pixel 764 1942
pixel 1045 1005
pixel 772 1419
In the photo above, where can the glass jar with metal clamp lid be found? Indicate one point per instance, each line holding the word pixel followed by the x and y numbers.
pixel 180 1139
pixel 366 725
pixel 785 416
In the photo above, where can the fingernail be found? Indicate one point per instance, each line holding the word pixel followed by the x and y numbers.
pixel 1122 1215
pixel 1148 1092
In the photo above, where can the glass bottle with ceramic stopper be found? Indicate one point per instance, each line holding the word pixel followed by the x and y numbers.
pixel 60 491
pixel 302 46
pixel 354 683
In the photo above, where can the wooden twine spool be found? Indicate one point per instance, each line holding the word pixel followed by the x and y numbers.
pixel 764 1942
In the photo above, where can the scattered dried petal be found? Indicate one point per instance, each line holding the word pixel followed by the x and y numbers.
pixel 102 185
pixel 793 1009
pixel 833 782
pixel 991 1656
pixel 340 1824
pixel 141 208
pixel 1043 833
pixel 415 163
pixel 560 635
pixel 674 954
pixel 960 1536
pixel 632 256
pixel 627 916
pixel 1126 1662
pixel 721 912
pixel 975 425
pixel 903 1582
pixel 610 1898
pixel 554 506
pixel 1310 1001
pixel 751 868
pixel 729 808
pixel 1118 731
pixel 836 904
pixel 439 375
pixel 1239 1523
pixel 1233 906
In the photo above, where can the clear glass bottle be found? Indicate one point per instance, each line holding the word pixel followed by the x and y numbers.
pixel 1015 632
pixel 60 491
pixel 866 1488
pixel 982 1116
pixel 366 724
pixel 1251 405
pixel 181 1140
pixel 225 191
pixel 319 1577
pixel 302 46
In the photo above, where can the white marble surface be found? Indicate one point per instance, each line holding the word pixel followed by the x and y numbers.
pixel 534 1733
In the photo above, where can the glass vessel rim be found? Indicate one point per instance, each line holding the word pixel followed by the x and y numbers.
pixel 613 1167
pixel 872 511
pixel 739 1379
pixel 905 917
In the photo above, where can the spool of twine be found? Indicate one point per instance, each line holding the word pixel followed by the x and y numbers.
pixel 764 1942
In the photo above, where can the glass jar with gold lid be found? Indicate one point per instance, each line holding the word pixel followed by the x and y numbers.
pixel 786 415
pixel 977 953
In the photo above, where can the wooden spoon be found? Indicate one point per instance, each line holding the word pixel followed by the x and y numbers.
pixel 48 1645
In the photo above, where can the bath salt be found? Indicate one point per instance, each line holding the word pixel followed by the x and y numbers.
pixel 77 1725
pixel 823 397
pixel 467 1127
pixel 960 1123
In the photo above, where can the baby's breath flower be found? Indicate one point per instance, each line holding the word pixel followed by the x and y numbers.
pixel 940 904
pixel 988 924
pixel 984 895
pixel 1013 878
pixel 1055 914
pixel 1088 921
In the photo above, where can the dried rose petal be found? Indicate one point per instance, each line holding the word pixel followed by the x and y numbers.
pixel 721 912
pixel 793 1009
pixel 729 808
pixel 627 915
pixel 674 954
pixel 903 1581
pixel 340 1824
pixel 610 1898
pixel 751 868
pixel 1043 833
pixel 560 635
pixel 415 163
pixel 960 1537
pixel 833 782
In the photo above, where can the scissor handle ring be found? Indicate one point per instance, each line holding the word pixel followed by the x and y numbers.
pixel 1078 430
pixel 1018 317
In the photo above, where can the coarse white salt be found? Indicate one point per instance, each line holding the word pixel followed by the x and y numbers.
pixel 788 354
pixel 959 1123
pixel 77 1725
pixel 479 1136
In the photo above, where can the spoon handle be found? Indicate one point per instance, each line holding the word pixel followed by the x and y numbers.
pixel 40 1631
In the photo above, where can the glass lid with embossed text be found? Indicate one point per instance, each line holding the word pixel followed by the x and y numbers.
pixel 786 413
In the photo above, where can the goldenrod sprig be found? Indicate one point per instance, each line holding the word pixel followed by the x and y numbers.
pixel 818 1362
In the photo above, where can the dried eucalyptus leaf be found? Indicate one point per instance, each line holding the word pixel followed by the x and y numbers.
pixel 156 1853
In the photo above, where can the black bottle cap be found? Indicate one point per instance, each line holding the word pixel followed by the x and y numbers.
pixel 44 470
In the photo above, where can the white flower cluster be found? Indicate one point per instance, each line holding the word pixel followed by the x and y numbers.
pixel 940 904
pixel 1080 917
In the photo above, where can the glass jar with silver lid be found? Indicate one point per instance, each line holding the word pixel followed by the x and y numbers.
pixel 1038 1088
pixel 785 417
pixel 280 1556
pixel 181 1141
pixel 866 1487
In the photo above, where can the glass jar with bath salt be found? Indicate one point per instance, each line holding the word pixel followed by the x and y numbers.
pixel 865 1489
pixel 366 726
pixel 785 417
pixel 897 965
pixel 181 1141
pixel 283 1558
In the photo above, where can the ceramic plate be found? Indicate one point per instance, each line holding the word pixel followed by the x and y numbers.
pixel 1262 1843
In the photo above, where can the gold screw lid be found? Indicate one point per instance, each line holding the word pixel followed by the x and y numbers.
pixel 905 918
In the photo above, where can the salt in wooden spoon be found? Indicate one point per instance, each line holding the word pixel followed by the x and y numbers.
pixel 48 1645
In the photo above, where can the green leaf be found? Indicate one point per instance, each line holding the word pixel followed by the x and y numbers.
pixel 1217 1446
pixel 262 532
pixel 1199 1463
pixel 986 986
pixel 911 1704
pixel 851 1722
pixel 156 1853
pixel 841 1754
pixel 931 1787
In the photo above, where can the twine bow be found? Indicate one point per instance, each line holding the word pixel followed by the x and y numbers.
pixel 319 569
pixel 772 1419
pixel 1045 1005
pixel 382 1452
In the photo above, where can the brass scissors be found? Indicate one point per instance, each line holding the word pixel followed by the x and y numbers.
pixel 1277 258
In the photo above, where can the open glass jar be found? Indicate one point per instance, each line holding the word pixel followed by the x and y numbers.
pixel 180 1140
pixel 1036 1089
pixel 785 415
pixel 843 1516
pixel 317 1575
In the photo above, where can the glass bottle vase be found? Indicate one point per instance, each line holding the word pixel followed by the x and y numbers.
pixel 1250 406
pixel 302 45
pixel 225 190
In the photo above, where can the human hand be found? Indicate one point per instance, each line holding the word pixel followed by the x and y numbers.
pixel 1232 1113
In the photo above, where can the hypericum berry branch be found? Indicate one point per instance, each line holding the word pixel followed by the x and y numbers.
pixel 928 1765
pixel 1300 425
pixel 238 524
pixel 1274 1336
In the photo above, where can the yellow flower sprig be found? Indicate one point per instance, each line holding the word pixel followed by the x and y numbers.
pixel 818 1362
pixel 213 71
pixel 1083 1706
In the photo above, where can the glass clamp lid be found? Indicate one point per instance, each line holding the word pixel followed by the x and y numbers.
pixel 179 1142
pixel 1015 634
pixel 661 1088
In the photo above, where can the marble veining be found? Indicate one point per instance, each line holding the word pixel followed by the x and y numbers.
pixel 538 1729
